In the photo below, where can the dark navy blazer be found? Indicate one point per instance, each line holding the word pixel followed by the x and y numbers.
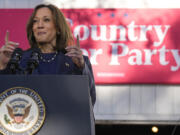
pixel 60 65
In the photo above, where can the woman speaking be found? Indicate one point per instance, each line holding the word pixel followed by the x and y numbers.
pixel 50 37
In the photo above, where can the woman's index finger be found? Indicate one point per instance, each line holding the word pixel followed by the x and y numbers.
pixel 7 36
pixel 77 42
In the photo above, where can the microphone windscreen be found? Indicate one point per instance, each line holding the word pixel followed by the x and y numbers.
pixel 17 51
pixel 13 64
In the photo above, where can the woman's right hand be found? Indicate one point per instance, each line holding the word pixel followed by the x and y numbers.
pixel 6 51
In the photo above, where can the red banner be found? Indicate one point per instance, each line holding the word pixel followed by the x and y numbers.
pixel 124 45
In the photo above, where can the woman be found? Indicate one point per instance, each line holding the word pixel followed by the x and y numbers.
pixel 48 31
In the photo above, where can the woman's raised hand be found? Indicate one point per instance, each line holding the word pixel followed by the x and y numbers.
pixel 6 51
pixel 75 53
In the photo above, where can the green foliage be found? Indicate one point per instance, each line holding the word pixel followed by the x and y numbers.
pixel 6 119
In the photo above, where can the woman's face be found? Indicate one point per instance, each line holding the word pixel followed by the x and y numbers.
pixel 43 26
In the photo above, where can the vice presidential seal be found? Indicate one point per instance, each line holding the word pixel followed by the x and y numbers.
pixel 22 111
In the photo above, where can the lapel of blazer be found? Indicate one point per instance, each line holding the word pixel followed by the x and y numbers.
pixel 65 64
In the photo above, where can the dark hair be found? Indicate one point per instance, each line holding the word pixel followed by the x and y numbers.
pixel 63 32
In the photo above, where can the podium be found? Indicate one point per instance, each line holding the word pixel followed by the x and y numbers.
pixel 66 98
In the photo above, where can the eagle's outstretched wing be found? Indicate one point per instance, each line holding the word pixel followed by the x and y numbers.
pixel 10 111
pixel 27 110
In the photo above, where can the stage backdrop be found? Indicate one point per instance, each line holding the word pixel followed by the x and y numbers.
pixel 124 45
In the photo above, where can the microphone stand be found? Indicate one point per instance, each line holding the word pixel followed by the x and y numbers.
pixel 13 64
pixel 33 62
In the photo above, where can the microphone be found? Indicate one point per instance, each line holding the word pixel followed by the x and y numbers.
pixel 13 64
pixel 33 62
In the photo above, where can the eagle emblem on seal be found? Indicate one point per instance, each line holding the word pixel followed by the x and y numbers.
pixel 18 110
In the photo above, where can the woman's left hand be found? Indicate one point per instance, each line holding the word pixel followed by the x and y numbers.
pixel 75 53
